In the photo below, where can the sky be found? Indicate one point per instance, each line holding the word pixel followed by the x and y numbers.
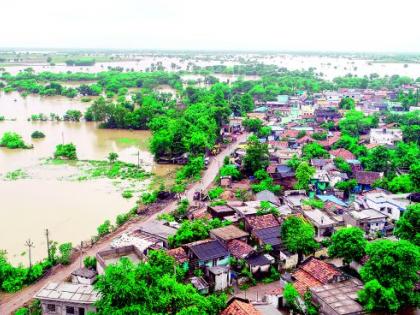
pixel 280 25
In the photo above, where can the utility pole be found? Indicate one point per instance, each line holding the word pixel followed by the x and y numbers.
pixel 30 244
pixel 62 136
pixel 138 159
pixel 47 235
pixel 81 254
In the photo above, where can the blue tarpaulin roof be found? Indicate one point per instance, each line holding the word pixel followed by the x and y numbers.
pixel 331 198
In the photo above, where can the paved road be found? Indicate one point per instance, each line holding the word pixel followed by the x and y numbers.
pixel 11 302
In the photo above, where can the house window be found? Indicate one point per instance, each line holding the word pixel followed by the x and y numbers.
pixel 69 310
pixel 389 210
pixel 376 224
pixel 51 307
pixel 81 311
pixel 382 209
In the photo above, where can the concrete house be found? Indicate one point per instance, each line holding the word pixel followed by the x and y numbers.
pixel 369 220
pixel 338 298
pixel 111 256
pixel 67 298
pixel 385 136
pixel 391 205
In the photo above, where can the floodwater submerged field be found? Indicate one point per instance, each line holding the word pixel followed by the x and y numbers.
pixel 37 193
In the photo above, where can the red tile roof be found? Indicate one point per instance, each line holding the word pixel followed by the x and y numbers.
pixel 330 140
pixel 238 307
pixel 343 153
pixel 291 133
pixel 367 178
pixel 179 254
pixel 313 273
pixel 239 249
pixel 262 221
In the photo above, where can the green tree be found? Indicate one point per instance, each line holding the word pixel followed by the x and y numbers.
pixel 65 253
pixel 349 244
pixel 298 236
pixel 304 173
pixel 151 288
pixel 342 165
pixel 112 157
pixel 375 297
pixel 314 150
pixel 291 296
pixel 379 159
pixel 347 103
pixel 408 226
pixel 12 140
pixel 256 157
pixel 394 265
pixel 67 151
pixel 355 123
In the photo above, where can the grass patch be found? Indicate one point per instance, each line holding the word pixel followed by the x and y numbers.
pixel 127 194
pixel 116 170
pixel 16 174
pixel 140 143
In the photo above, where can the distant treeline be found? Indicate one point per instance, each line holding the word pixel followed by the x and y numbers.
pixel 80 62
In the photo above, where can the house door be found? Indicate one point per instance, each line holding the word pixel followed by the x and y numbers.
pixel 81 311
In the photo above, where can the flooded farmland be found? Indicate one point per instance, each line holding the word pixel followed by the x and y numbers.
pixel 47 196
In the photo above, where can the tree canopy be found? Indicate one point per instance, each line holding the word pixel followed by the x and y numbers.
pixel 151 288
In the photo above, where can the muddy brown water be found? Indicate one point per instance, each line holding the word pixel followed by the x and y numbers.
pixel 70 209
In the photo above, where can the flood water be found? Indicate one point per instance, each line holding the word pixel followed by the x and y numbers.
pixel 330 67
pixel 70 209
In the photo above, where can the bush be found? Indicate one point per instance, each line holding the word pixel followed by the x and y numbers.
pixel 37 135
pixel 148 198
pixel 67 151
pixel 314 203
pixel 127 194
pixel 104 228
pixel 215 192
pixel 13 140
pixel 122 218
pixel 65 251
pixel 90 262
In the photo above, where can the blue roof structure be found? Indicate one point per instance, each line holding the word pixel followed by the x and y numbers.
pixel 331 198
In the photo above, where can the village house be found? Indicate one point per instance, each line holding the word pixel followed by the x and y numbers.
pixel 206 253
pixel 385 136
pixel 324 225
pixel 200 285
pixel 219 278
pixel 240 249
pixel 342 153
pixel 158 230
pixel 221 212
pixel 369 220
pixel 83 275
pixel 338 298
pixel 111 256
pixel 67 298
pixel 180 256
pixel 256 222
pixel 282 174
pixel 238 306
pixel 228 233
pixel 326 114
pixel 365 179
pixel 314 273
pixel 293 198
pixel 269 196
pixel 391 205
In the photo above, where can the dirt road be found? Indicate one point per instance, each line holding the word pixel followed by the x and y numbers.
pixel 11 302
